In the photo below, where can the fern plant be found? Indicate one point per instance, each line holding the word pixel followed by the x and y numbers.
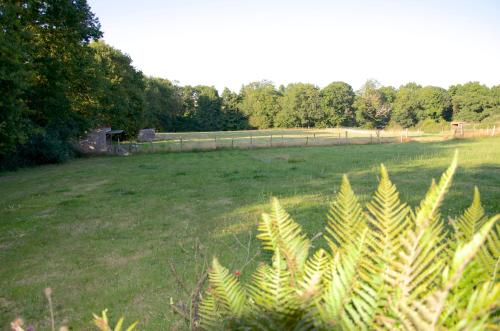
pixel 102 323
pixel 387 267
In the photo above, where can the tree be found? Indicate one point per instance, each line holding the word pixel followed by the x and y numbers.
pixel 162 104
pixel 201 108
pixel 15 77
pixel 120 99
pixel 414 104
pixel 260 102
pixel 46 47
pixel 435 103
pixel 232 116
pixel 373 108
pixel 337 101
pixel 495 101
pixel 300 106
pixel 471 101
pixel 208 108
pixel 407 105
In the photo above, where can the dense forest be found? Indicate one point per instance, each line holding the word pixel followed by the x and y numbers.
pixel 58 79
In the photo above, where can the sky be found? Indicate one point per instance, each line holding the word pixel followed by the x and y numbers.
pixel 225 43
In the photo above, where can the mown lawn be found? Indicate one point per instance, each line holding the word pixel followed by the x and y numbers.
pixel 102 231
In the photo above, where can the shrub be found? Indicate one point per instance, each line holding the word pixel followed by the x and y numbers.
pixel 386 267
pixel 432 126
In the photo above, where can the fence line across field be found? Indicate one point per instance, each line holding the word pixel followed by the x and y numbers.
pixel 260 141
pixel 176 142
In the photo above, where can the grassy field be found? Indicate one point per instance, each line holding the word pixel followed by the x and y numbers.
pixel 102 231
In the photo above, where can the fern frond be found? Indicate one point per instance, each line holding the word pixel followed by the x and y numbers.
pixel 459 296
pixel 420 262
pixel 428 212
pixel 473 218
pixel 229 295
pixel 387 218
pixel 345 219
pixel 489 255
pixel 209 313
pixel 349 302
pixel 316 277
pixel 278 231
pixel 271 289
pixel 481 305
pixel 102 323
pixel 467 225
pixel 425 314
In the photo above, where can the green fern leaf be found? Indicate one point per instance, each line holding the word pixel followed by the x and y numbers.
pixel 345 219
pixel 349 302
pixel 387 218
pixel 426 314
pixel 481 305
pixel 226 290
pixel 210 314
pixel 279 232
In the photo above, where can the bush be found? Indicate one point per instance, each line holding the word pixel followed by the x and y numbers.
pixel 432 126
pixel 41 148
pixel 386 267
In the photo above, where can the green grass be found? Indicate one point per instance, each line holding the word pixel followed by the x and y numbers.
pixel 101 231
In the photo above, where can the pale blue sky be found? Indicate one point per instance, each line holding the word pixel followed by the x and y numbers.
pixel 230 43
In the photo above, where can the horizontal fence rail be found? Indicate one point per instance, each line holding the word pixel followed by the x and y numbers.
pixel 201 141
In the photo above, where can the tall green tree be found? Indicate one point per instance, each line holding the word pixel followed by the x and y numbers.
pixel 337 104
pixel 373 107
pixel 260 102
pixel 495 101
pixel 415 103
pixel 435 103
pixel 46 43
pixel 300 106
pixel 407 105
pixel 120 99
pixel 232 116
pixel 471 101
pixel 162 104
pixel 201 108
pixel 15 77
pixel 208 108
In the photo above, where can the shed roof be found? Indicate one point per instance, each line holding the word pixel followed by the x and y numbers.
pixel 114 132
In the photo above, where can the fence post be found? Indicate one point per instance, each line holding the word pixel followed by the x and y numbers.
pixel 307 140
pixel 251 140
pixel 271 141
pixel 346 141
pixel 371 138
pixel 232 143
pixel 181 143
pixel 215 141
pixel 493 130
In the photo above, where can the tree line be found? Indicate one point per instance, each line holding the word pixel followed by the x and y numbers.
pixel 58 79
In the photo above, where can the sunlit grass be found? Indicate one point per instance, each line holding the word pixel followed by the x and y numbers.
pixel 101 231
